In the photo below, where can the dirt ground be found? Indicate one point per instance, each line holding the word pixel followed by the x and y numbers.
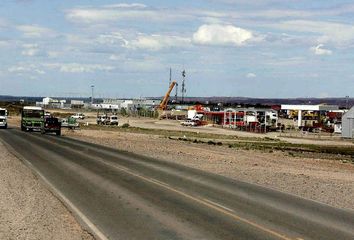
pixel 28 210
pixel 326 181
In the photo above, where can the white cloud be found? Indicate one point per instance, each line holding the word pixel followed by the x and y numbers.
pixel 251 75
pixel 53 54
pixel 30 50
pixel 112 38
pixel 115 57
pixel 157 42
pixel 4 23
pixel 336 33
pixel 78 68
pixel 135 12
pixel 4 44
pixel 125 5
pixel 319 50
pixel 102 15
pixel 25 68
pixel 35 31
pixel 216 34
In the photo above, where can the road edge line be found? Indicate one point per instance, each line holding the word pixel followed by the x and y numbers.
pixel 84 222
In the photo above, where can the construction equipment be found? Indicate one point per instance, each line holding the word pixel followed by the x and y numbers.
pixel 163 104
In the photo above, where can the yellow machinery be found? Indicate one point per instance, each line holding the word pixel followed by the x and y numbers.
pixel 163 104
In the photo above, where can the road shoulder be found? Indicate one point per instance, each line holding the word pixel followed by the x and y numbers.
pixel 28 209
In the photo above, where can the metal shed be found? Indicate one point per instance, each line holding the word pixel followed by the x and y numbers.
pixel 348 124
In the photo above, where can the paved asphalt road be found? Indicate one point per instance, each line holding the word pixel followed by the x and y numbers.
pixel 121 195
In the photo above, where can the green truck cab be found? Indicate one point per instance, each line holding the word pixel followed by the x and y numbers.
pixel 32 118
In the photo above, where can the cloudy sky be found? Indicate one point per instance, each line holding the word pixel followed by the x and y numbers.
pixel 251 48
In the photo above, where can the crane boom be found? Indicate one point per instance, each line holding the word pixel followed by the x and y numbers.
pixel 163 104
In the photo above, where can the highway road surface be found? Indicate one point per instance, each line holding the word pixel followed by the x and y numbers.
pixel 120 195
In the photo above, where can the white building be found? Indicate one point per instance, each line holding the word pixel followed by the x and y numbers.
pixel 348 124
pixel 132 104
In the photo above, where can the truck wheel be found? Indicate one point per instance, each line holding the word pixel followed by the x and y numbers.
pixel 58 133
pixel 5 126
pixel 22 128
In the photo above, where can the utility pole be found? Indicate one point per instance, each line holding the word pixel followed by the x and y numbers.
pixel 184 90
pixel 176 94
pixel 346 102
pixel 92 89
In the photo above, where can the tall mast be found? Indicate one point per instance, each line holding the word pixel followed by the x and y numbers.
pixel 184 90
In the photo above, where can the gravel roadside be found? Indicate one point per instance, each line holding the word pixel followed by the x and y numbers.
pixel 28 210
pixel 327 181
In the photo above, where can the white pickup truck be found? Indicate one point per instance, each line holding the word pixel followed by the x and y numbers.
pixel 78 116
pixel 107 120
pixel 3 118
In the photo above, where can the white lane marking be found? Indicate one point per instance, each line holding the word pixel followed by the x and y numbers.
pixel 159 182
pixel 219 205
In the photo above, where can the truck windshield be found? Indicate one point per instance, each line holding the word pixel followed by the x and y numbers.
pixel 32 113
pixel 2 113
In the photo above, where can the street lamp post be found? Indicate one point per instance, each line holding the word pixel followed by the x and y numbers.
pixel 92 90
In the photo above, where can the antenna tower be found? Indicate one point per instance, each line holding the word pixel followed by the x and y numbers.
pixel 184 90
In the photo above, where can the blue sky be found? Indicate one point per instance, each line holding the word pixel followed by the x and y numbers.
pixel 258 48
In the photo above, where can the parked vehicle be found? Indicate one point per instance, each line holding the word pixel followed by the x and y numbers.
pixel 101 119
pixel 78 116
pixel 51 125
pixel 32 118
pixel 69 122
pixel 191 122
pixel 113 120
pixel 3 118
pixel 107 120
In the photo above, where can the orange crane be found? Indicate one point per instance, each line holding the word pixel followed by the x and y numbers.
pixel 163 104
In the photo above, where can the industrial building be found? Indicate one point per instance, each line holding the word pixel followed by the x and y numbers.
pixel 48 102
pixel 348 124
pixel 131 104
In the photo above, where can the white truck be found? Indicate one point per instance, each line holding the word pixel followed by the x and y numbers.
pixel 107 120
pixel 78 116
pixel 3 118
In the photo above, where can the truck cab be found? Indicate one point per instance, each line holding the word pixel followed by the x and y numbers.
pixel 32 118
pixel 113 120
pixel 3 118
pixel 51 125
